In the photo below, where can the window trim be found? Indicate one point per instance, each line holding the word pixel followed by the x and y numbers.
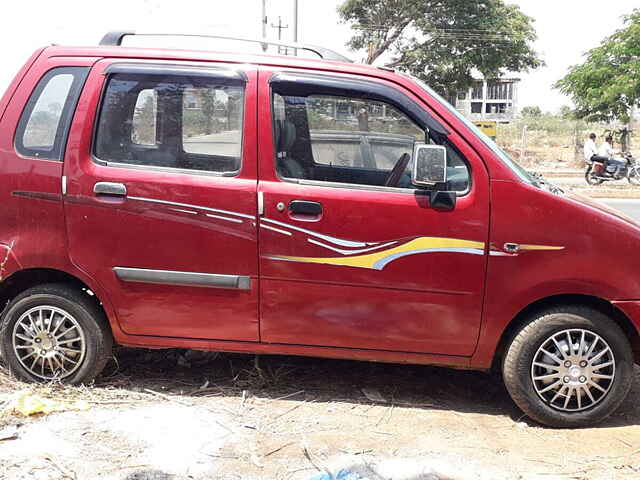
pixel 59 147
pixel 230 75
pixel 299 80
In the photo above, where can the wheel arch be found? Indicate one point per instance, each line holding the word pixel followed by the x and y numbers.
pixel 22 280
pixel 539 305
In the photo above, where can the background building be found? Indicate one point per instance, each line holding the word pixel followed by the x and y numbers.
pixel 489 100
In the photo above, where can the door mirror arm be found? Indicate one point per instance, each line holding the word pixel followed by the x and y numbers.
pixel 442 201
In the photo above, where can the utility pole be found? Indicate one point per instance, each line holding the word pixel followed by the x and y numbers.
pixel 295 21
pixel 264 24
pixel 280 27
pixel 295 25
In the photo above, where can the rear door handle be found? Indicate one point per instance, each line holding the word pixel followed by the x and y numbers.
pixel 110 188
pixel 303 207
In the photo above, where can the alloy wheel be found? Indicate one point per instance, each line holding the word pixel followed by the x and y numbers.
pixel 49 342
pixel 573 370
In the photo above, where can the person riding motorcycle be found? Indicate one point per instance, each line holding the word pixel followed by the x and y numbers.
pixel 606 151
pixel 591 150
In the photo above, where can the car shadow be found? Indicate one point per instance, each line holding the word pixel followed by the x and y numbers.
pixel 193 373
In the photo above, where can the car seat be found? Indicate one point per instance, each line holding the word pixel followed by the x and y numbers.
pixel 288 166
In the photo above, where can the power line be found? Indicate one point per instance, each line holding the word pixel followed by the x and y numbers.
pixel 448 32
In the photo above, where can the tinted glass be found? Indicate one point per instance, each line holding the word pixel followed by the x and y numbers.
pixel 171 121
pixel 45 121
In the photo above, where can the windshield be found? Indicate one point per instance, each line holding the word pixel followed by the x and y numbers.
pixel 517 169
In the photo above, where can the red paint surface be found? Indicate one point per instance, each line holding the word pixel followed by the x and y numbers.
pixel 443 308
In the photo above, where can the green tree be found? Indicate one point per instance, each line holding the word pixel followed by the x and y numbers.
pixel 606 86
pixel 567 113
pixel 208 108
pixel 532 112
pixel 443 42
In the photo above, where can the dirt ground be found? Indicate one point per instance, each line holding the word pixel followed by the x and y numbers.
pixel 176 414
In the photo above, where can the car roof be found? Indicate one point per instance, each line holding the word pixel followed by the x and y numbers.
pixel 277 61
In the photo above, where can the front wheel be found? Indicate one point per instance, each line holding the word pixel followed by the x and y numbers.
pixel 569 367
pixel 54 332
pixel 634 175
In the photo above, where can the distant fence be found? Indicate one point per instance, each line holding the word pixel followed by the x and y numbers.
pixel 549 141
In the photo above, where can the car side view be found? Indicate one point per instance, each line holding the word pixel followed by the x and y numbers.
pixel 302 206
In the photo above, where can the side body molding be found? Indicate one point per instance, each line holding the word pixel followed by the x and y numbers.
pixel 191 279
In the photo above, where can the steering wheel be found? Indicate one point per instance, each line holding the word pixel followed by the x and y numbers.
pixel 398 169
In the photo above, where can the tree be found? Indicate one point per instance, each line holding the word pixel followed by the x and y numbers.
pixel 567 113
pixel 606 86
pixel 532 112
pixel 444 42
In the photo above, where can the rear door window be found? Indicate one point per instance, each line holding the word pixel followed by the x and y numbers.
pixel 171 121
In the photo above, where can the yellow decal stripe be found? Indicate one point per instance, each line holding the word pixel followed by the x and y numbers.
pixel 379 260
pixel 540 247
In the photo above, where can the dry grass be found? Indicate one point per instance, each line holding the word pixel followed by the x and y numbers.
pixel 273 409
pixel 551 142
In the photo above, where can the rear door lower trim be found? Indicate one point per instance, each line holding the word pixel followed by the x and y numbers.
pixel 192 279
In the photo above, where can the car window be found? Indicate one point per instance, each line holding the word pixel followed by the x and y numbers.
pixel 171 121
pixel 350 140
pixel 45 121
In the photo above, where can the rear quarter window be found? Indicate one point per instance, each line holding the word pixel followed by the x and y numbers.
pixel 44 124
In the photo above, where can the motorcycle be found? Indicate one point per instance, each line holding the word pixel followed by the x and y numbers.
pixel 597 172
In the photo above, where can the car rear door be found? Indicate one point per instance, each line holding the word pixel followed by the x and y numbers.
pixel 345 259
pixel 160 197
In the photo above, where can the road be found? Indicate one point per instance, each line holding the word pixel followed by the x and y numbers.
pixel 630 207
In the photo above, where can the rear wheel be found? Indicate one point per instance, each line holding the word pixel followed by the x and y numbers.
pixel 54 332
pixel 592 178
pixel 634 175
pixel 569 367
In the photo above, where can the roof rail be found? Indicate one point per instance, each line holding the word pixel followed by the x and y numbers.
pixel 114 38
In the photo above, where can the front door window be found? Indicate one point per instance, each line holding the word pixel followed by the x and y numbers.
pixel 352 140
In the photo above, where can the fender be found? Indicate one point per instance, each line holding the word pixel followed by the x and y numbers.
pixel 498 317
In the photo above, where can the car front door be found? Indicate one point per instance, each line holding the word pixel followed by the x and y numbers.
pixel 351 254
pixel 160 197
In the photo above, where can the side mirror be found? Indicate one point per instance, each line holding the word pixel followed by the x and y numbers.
pixel 430 165
pixel 430 169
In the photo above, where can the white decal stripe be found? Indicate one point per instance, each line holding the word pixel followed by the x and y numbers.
pixel 380 264
pixel 234 220
pixel 274 229
pixel 187 205
pixel 337 241
pixel 192 212
pixel 349 252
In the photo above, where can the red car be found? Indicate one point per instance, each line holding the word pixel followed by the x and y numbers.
pixel 283 205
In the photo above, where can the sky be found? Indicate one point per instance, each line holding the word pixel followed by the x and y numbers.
pixel 566 29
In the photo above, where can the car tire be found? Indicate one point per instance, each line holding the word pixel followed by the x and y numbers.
pixel 561 338
pixel 55 332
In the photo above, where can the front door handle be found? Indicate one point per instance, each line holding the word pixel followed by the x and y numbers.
pixel 110 188
pixel 303 207
pixel 511 247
